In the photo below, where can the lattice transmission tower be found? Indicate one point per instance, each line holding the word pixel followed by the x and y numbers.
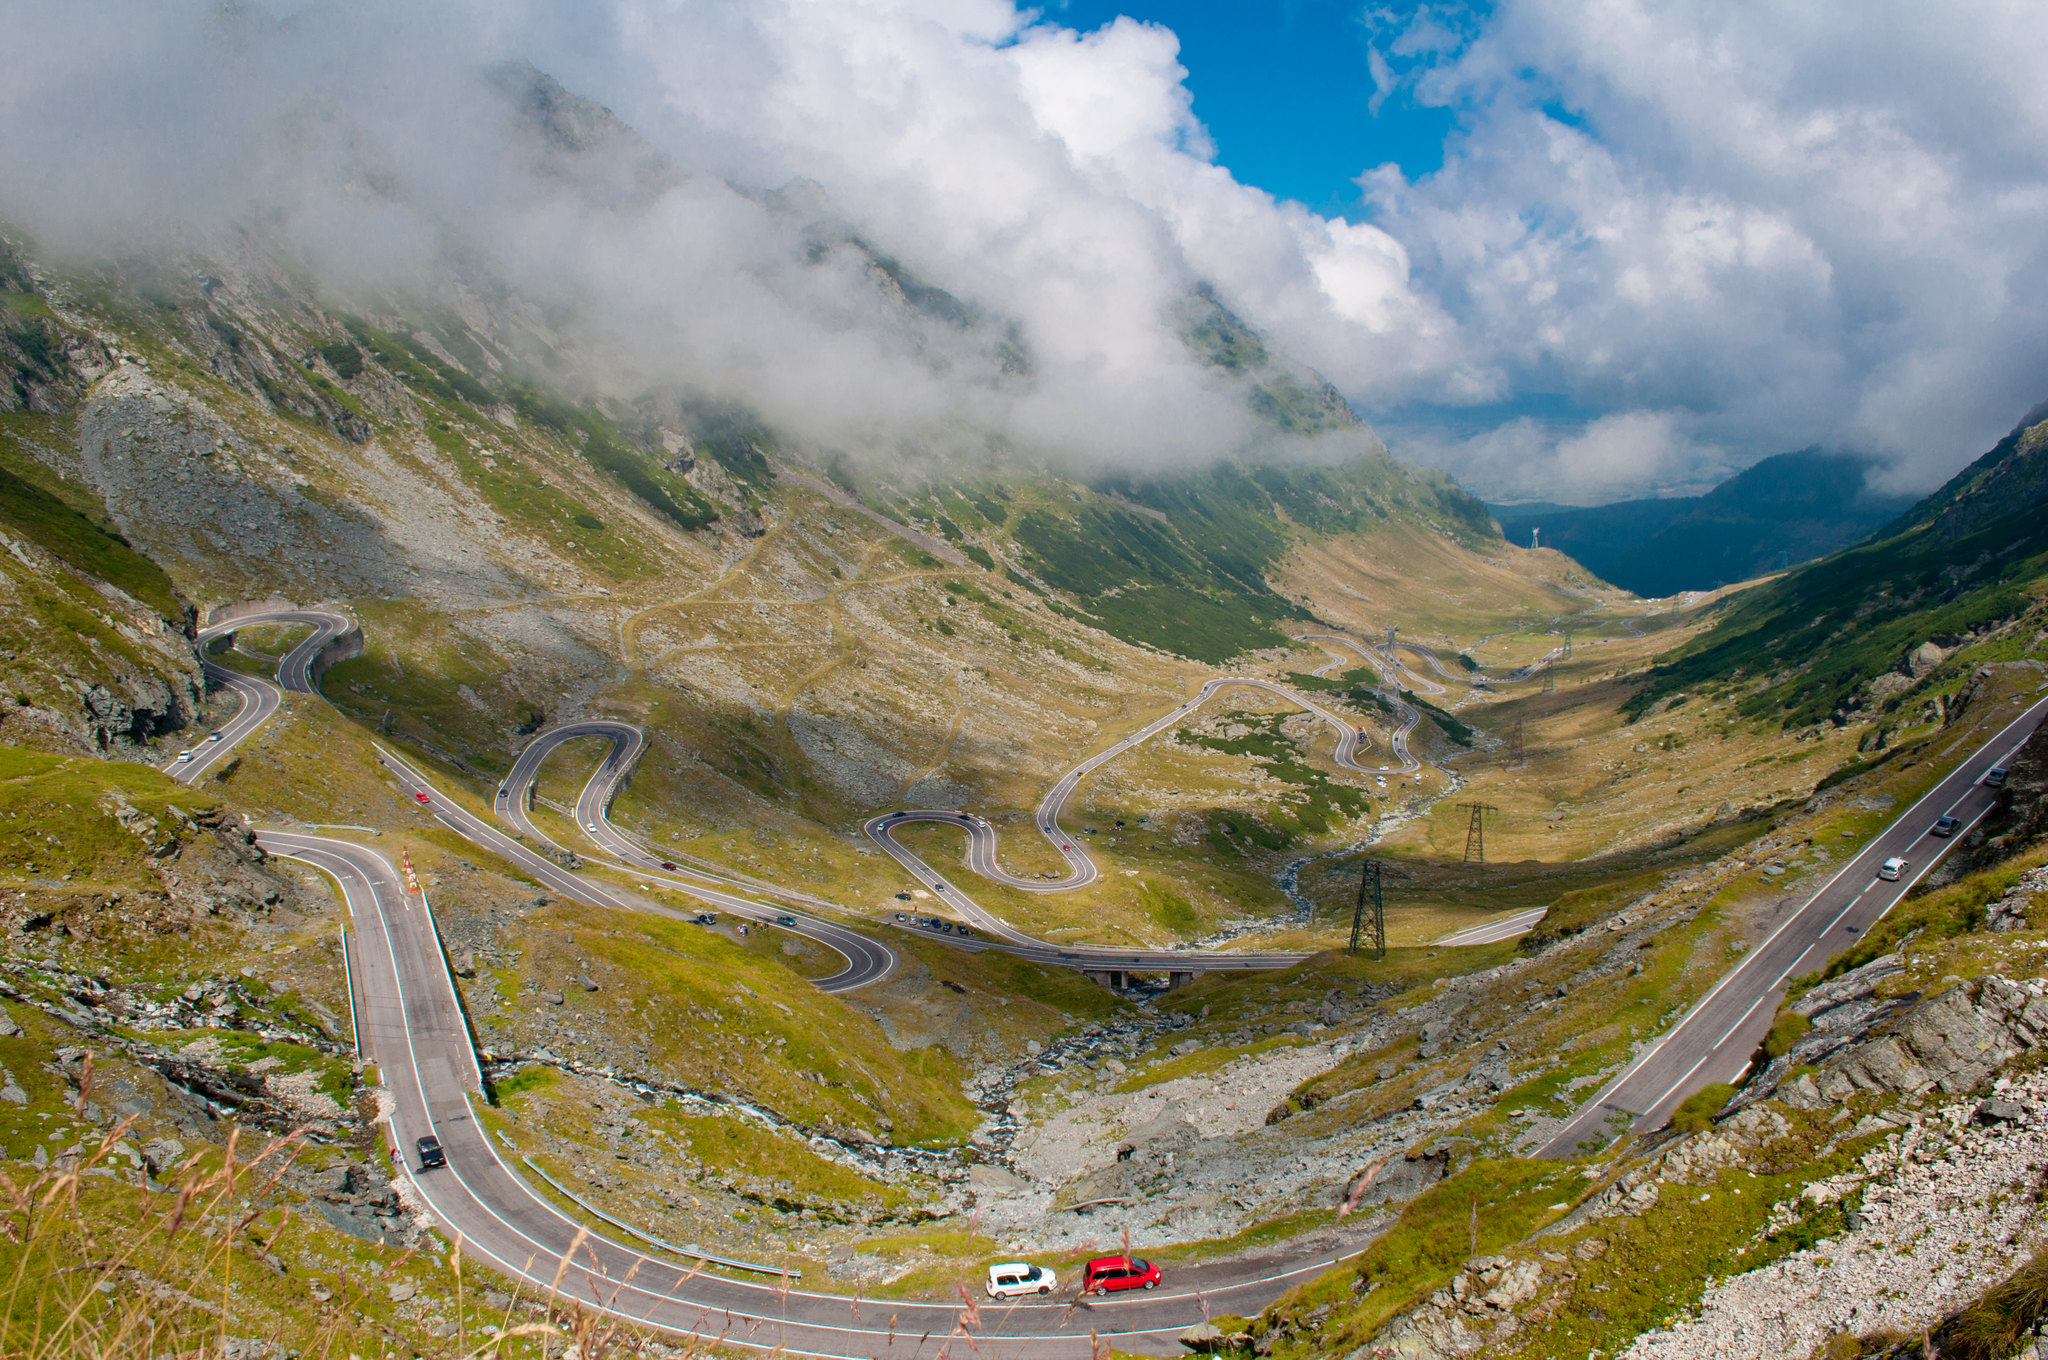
pixel 1475 831
pixel 1369 875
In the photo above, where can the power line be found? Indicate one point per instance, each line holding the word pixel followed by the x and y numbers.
pixel 1515 756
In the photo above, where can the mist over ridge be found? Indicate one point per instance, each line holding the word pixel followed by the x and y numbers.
pixel 1660 246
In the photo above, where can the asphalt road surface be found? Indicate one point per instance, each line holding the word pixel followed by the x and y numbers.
pixel 1081 869
pixel 1720 1034
pixel 648 863
pixel 260 698
pixel 411 1021
pixel 867 960
pixel 1506 928
pixel 409 1016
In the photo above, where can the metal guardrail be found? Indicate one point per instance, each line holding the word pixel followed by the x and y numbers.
pixel 693 1253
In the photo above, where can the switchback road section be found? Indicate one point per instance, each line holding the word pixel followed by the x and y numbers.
pixel 260 697
pixel 411 1020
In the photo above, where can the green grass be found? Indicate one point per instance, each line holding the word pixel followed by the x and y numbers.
pixel 1485 1207
pixel 1695 1114
pixel 1802 646
pixel 84 545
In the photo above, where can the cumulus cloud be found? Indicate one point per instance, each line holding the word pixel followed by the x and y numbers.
pixel 1619 456
pixel 1724 230
pixel 1784 225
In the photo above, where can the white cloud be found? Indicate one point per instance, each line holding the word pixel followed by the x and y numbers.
pixel 1756 228
pixel 1793 224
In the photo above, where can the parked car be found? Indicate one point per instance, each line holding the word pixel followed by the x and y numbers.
pixel 705 918
pixel 1995 779
pixel 1890 870
pixel 1017 1279
pixel 1107 1274
pixel 430 1153
pixel 1947 826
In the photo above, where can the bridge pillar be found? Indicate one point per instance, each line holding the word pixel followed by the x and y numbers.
pixel 1180 978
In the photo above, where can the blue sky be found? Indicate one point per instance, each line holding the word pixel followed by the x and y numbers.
pixel 1285 89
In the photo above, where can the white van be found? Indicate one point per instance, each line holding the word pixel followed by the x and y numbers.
pixel 1016 1279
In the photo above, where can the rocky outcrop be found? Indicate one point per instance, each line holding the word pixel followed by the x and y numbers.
pixel 1908 1044
pixel 147 706
pixel 1945 1203
pixel 2016 904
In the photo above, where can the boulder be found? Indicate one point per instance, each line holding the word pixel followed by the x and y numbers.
pixel 999 1179
pixel 1922 660
pixel 1204 1338
pixel 1998 1110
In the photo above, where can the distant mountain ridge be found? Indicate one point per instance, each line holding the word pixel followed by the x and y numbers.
pixel 1966 565
pixel 1787 509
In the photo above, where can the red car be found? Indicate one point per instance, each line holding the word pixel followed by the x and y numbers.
pixel 423 798
pixel 1106 1274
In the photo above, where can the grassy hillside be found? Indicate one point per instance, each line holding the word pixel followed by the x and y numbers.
pixel 1965 565
pixel 1782 511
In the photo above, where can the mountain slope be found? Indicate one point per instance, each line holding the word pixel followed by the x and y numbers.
pixel 1785 509
pixel 1965 565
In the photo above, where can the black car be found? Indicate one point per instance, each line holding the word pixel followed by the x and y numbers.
pixel 785 920
pixel 705 918
pixel 430 1153
pixel 1996 779
pixel 1947 826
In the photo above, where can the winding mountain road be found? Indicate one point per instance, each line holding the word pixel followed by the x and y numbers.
pixel 260 697
pixel 411 1020
pixel 1719 1034
pixel 410 1017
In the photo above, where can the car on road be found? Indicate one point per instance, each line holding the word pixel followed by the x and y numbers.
pixel 1947 826
pixel 590 827
pixel 430 1153
pixel 423 798
pixel 184 756
pixel 213 736
pixel 1996 778
pixel 1015 1279
pixel 1890 870
pixel 1107 1274
pixel 785 920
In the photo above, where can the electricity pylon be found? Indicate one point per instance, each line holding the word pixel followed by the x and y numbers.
pixel 1369 874
pixel 1475 831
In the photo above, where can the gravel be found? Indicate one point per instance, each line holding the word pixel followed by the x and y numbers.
pixel 1946 1212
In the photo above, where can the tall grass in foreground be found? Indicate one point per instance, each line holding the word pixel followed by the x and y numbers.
pixel 94 1276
